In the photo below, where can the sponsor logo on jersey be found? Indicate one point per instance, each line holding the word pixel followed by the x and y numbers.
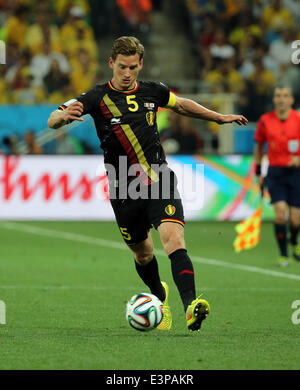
pixel 115 121
pixel 170 210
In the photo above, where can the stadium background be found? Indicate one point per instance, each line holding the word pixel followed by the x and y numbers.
pixel 228 55
pixel 61 280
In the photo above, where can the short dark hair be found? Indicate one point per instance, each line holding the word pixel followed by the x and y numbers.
pixel 283 86
pixel 127 46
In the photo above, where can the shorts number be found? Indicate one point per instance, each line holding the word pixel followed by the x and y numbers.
pixel 296 315
pixel 125 234
pixel 131 102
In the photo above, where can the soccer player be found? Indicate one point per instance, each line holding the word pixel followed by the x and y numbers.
pixel 280 129
pixel 124 111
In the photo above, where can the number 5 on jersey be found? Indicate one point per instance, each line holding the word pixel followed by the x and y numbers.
pixel 133 106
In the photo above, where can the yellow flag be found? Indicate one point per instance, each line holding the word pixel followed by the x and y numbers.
pixel 248 231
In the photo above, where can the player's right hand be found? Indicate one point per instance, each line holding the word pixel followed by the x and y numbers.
pixel 73 112
pixel 239 119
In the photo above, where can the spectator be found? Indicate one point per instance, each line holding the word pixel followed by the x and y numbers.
pixel 137 15
pixel 41 63
pixel 221 49
pixel 16 75
pixel 17 26
pixel 275 16
pixel 63 7
pixel 281 49
pixel 84 72
pixel 3 85
pixel 55 79
pixel 261 52
pixel 262 78
pixel 189 140
pixel 245 30
pixel 74 22
pixel 42 31
pixel 225 78
pixel 208 29
pixel 199 9
pixel 27 94
pixel 290 77
pixel 81 41
pixel 169 136
pixel 258 87
pixel 294 9
pixel 32 146
pixel 237 11
pixel 66 92
pixel 67 144
pixel 181 137
pixel 11 144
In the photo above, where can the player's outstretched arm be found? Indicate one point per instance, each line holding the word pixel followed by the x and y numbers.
pixel 190 108
pixel 60 118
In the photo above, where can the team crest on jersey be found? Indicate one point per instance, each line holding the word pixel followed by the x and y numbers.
pixel 150 116
pixel 170 210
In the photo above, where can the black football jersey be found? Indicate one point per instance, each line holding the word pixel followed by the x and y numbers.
pixel 126 123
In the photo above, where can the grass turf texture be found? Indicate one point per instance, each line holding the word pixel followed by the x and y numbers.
pixel 65 302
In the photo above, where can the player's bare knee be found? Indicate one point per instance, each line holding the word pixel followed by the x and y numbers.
pixel 280 218
pixel 143 254
pixel 294 217
pixel 173 242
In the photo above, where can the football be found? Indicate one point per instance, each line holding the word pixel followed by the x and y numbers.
pixel 144 312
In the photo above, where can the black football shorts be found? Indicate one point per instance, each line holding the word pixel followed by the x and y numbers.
pixel 136 217
pixel 284 185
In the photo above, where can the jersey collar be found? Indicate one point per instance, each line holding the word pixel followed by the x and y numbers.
pixel 123 91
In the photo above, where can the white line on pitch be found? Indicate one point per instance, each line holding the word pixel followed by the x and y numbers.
pixel 116 245
pixel 102 288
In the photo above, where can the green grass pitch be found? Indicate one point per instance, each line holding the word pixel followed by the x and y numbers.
pixel 65 286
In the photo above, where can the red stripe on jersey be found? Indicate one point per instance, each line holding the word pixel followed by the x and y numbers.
pixel 129 151
pixel 125 143
pixel 105 111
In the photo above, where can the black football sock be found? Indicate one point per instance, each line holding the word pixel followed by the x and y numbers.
pixel 183 275
pixel 150 276
pixel 280 234
pixel 294 230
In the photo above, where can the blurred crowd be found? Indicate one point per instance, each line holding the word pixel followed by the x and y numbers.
pixel 52 46
pixel 245 47
pixel 51 51
pixel 52 54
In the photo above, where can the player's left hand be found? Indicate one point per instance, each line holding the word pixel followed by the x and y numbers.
pixel 239 119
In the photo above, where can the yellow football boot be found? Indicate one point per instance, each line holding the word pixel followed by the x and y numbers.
pixel 196 312
pixel 283 261
pixel 296 252
pixel 166 322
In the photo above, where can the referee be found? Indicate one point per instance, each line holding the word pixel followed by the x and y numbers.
pixel 124 111
pixel 280 129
